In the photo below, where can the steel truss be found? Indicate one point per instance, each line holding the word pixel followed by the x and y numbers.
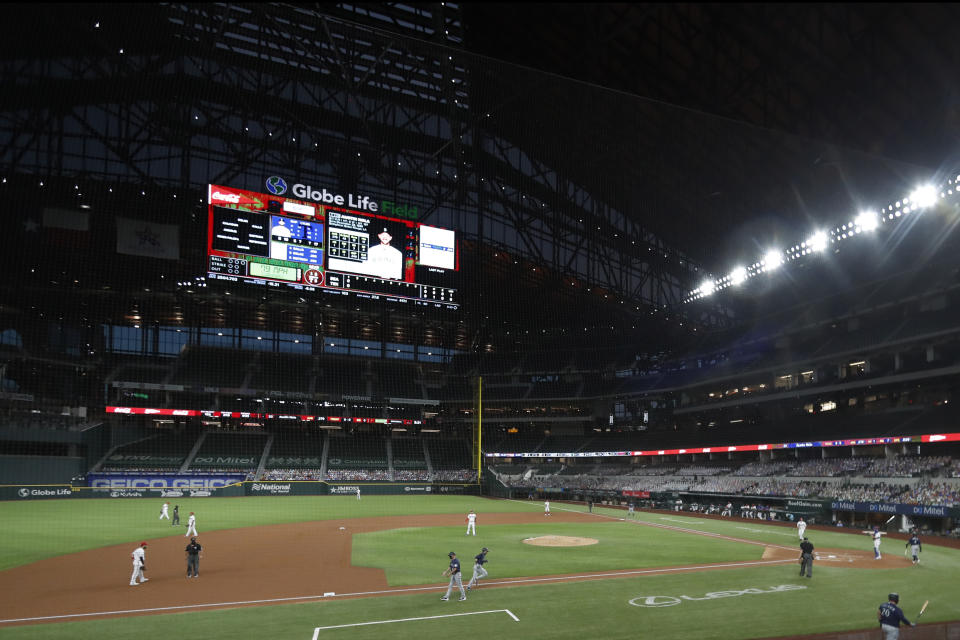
pixel 230 94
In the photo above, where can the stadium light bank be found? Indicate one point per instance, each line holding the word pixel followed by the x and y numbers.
pixel 920 199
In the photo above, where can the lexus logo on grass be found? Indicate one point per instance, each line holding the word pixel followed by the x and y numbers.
pixel 276 185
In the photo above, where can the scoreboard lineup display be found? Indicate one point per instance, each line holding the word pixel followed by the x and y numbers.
pixel 282 242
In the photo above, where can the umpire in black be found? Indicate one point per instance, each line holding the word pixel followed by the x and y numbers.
pixel 806 558
pixel 193 558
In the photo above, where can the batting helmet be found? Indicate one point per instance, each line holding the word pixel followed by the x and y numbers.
pixel 894 597
pixel 451 554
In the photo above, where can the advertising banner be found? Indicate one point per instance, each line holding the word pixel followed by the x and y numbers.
pixel 35 492
pixel 287 488
pixel 895 509
pixel 631 493
pixel 144 481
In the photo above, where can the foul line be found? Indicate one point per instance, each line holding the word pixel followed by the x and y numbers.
pixel 669 527
pixel 317 630
pixel 435 587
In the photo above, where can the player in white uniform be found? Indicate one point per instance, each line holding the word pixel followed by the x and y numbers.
pixel 191 526
pixel 875 534
pixel 471 522
pixel 139 564
pixel 801 527
pixel 163 511
pixel 358 493
pixel 546 508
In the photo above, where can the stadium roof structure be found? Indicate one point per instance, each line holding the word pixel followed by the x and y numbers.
pixel 839 94
pixel 692 136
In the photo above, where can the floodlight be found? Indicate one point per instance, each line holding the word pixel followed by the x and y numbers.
pixel 773 259
pixel 818 241
pixel 738 275
pixel 706 288
pixel 925 196
pixel 867 220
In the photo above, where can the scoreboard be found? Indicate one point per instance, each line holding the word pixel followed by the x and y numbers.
pixel 274 241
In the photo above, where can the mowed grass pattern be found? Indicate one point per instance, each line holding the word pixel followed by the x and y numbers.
pixel 620 546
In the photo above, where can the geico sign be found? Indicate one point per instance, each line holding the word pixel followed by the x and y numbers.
pixel 158 483
pixel 669 601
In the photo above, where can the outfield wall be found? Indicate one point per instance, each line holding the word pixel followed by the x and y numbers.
pixel 193 487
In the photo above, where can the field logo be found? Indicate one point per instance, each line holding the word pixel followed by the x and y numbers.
pixel 669 601
pixel 276 185
pixel 24 493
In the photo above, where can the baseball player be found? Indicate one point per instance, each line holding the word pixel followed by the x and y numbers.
pixel 806 558
pixel 191 526
pixel 915 547
pixel 455 578
pixel 193 558
pixel 471 523
pixel 801 527
pixel 176 516
pixel 358 493
pixel 876 533
pixel 139 564
pixel 890 616
pixel 478 570
pixel 163 511
pixel 546 508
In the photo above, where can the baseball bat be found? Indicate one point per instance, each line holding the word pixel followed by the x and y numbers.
pixel 890 518
pixel 923 608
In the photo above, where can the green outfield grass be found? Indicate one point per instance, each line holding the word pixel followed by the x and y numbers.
pixel 836 599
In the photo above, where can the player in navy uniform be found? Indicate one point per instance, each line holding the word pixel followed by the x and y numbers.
pixel 455 578
pixel 915 547
pixel 478 570
pixel 806 557
pixel 890 617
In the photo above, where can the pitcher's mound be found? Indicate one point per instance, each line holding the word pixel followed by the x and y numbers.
pixel 560 541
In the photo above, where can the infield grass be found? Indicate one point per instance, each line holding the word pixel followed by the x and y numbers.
pixel 620 546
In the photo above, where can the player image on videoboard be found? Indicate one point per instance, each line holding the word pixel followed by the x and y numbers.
pixel 368 246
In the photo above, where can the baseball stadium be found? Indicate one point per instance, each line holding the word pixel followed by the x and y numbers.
pixel 528 321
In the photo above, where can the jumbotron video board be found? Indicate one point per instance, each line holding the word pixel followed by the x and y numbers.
pixel 275 241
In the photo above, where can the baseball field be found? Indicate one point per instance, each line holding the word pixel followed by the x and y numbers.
pixel 335 567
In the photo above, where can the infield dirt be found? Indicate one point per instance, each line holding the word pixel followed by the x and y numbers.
pixel 249 564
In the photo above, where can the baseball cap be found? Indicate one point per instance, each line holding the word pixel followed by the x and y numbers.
pixel 451 554
pixel 484 549
pixel 143 544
